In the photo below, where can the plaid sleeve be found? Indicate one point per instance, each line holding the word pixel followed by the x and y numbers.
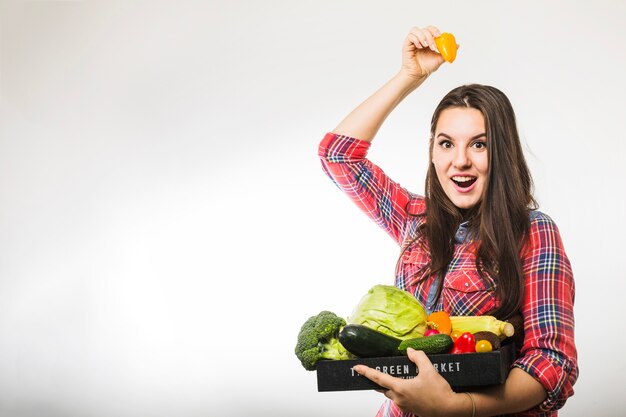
pixel 344 161
pixel 390 409
pixel 548 352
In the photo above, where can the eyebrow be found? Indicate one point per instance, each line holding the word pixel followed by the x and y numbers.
pixel 480 135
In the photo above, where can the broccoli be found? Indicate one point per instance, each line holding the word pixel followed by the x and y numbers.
pixel 318 340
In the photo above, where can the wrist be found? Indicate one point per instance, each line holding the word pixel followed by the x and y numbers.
pixel 412 81
pixel 473 403
pixel 463 405
pixel 404 84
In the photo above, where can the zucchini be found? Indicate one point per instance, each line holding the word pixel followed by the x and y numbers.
pixel 365 342
pixel 437 343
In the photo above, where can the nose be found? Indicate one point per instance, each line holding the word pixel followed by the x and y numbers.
pixel 461 159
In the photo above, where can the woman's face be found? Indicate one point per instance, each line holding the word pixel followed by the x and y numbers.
pixel 460 155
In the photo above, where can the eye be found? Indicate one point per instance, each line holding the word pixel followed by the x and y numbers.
pixel 480 144
pixel 445 143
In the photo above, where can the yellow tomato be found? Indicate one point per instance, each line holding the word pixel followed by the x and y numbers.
pixel 455 335
pixel 483 346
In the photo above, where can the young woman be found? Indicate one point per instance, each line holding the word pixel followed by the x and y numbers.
pixel 472 245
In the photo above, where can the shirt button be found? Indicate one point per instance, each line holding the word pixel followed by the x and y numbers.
pixel 466 285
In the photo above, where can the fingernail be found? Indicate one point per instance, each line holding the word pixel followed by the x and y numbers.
pixel 357 369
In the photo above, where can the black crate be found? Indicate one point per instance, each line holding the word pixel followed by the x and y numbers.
pixel 461 370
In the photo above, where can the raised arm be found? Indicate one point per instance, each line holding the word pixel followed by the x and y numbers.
pixel 343 152
pixel 419 60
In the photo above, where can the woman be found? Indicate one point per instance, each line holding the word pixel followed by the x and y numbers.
pixel 473 245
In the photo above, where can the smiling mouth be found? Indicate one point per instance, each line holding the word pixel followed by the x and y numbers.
pixel 464 182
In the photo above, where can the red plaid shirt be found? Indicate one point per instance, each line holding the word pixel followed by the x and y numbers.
pixel 548 352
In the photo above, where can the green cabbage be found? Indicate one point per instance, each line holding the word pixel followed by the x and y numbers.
pixel 392 311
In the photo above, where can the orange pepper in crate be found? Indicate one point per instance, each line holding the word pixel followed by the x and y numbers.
pixel 440 320
pixel 446 44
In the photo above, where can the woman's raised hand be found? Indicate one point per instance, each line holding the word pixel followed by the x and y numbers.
pixel 419 53
pixel 419 59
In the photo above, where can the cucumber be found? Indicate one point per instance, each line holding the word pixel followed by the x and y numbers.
pixel 364 342
pixel 437 343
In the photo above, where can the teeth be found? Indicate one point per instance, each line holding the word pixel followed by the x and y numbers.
pixel 462 179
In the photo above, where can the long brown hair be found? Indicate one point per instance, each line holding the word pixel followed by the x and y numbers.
pixel 500 221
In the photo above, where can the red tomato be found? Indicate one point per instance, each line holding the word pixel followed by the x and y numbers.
pixel 464 343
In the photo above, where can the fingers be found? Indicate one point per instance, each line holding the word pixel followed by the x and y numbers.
pixel 384 380
pixel 424 37
pixel 433 31
pixel 424 365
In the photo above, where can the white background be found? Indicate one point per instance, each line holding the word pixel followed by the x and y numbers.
pixel 165 226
